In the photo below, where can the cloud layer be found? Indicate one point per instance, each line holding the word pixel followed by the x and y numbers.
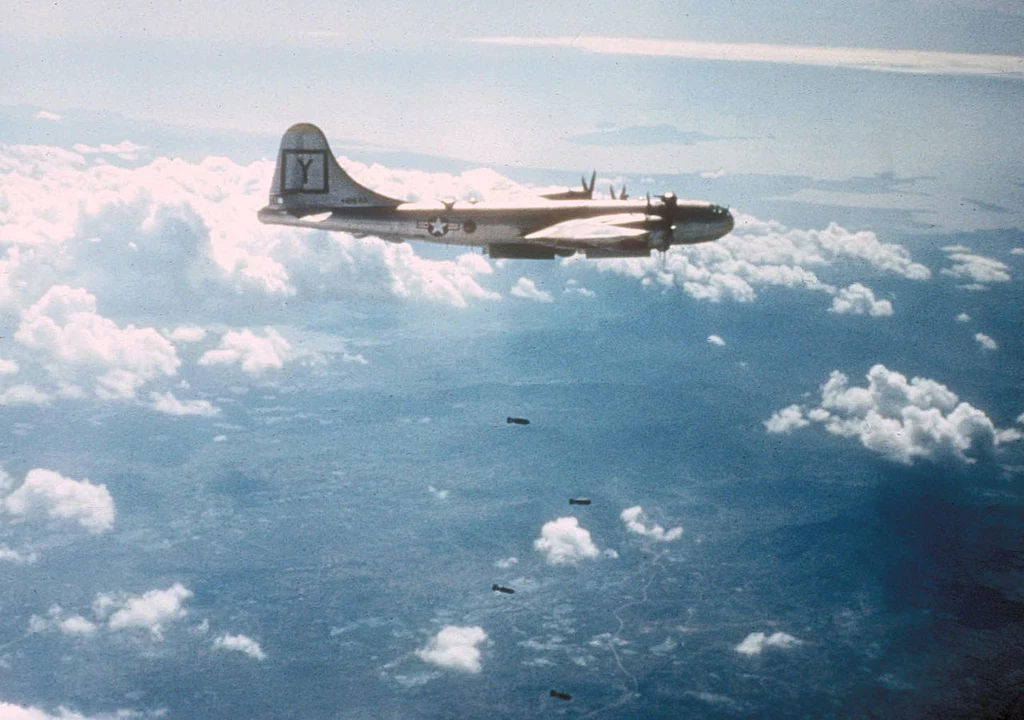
pixel 762 254
pixel 898 61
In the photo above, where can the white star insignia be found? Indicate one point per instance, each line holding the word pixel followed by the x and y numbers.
pixel 437 226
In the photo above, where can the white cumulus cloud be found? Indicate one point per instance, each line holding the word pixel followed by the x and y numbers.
pixel 455 647
pixel 636 522
pixel 10 711
pixel 755 643
pixel 51 494
pixel 24 394
pixel 150 611
pixel 527 289
pixel 74 340
pixel 56 619
pixel 564 542
pixel 763 253
pixel 240 643
pixel 986 342
pixel 978 269
pixel 902 420
pixel 177 234
pixel 786 420
pixel 254 354
pixel 168 404
pixel 963 317
pixel 187 334
pixel 126 149
pixel 716 340
pixel 857 299
pixel 17 557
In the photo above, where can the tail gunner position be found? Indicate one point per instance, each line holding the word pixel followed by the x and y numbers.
pixel 311 190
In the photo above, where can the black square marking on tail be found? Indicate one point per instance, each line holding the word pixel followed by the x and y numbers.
pixel 304 171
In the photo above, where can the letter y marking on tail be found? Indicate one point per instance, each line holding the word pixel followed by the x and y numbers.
pixel 305 169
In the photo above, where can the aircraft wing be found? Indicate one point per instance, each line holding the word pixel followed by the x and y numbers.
pixel 595 231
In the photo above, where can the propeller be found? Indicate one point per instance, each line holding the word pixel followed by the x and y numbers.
pixel 662 235
pixel 622 195
pixel 588 190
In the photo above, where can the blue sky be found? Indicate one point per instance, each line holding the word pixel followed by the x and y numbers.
pixel 265 472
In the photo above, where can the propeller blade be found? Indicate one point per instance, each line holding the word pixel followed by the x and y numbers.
pixel 611 191
pixel 623 195
pixel 593 179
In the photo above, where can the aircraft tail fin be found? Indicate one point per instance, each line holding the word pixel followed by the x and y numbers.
pixel 309 180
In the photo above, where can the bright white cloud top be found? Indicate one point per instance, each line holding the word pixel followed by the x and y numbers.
pixel 897 61
pixel 564 542
pixel 527 289
pixel 187 334
pixel 716 340
pixel 48 493
pixel 173 230
pixel 10 711
pixel 900 419
pixel 756 643
pixel 978 269
pixel 254 354
pixel 986 342
pixel 151 611
pixel 786 420
pixel 76 343
pixel 860 300
pixel 760 253
pixel 455 648
pixel 240 643
pixel 168 404
pixel 637 523
pixel 57 620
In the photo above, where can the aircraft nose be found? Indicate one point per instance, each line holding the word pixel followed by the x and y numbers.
pixel 730 223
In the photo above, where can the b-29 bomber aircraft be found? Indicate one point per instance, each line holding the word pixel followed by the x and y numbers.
pixel 311 190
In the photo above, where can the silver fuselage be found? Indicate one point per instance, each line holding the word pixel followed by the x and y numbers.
pixel 493 223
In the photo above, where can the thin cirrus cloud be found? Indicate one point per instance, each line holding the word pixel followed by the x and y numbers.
pixel 874 59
